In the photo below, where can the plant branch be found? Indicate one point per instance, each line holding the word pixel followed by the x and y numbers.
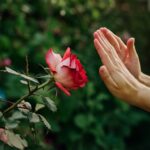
pixel 27 95
pixel 6 101
pixel 27 72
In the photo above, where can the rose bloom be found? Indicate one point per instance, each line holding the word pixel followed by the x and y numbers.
pixel 67 71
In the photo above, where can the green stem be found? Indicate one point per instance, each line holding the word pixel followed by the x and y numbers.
pixel 6 101
pixel 27 96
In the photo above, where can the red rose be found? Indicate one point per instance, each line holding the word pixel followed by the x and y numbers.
pixel 68 71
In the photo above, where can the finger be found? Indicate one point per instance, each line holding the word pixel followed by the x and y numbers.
pixel 121 43
pixel 103 55
pixel 107 79
pixel 98 36
pixel 109 50
pixel 122 52
pixel 106 46
pixel 131 47
pixel 123 48
pixel 103 45
pixel 112 67
pixel 103 41
pixel 110 37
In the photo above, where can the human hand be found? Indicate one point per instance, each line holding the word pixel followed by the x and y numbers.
pixel 120 82
pixel 127 53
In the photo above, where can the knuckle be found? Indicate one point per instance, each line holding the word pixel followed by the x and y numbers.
pixel 109 51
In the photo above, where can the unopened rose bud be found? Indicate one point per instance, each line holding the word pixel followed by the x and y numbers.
pixel 24 107
pixel 5 62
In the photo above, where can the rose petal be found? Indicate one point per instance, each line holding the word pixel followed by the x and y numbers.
pixel 65 62
pixel 67 54
pixel 64 76
pixel 73 64
pixel 69 62
pixel 52 59
pixel 59 85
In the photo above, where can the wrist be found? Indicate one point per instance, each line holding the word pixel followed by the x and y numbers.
pixel 145 79
pixel 143 97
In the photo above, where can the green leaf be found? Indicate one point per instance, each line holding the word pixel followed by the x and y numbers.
pixel 1 114
pixel 39 106
pixel 44 77
pixel 82 121
pixel 50 104
pixel 11 125
pixel 2 119
pixel 17 115
pixel 46 123
pixel 2 146
pixel 9 70
pixel 15 140
pixel 24 82
pixel 29 78
pixel 33 117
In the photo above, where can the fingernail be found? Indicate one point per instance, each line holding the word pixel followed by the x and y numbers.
pixel 102 70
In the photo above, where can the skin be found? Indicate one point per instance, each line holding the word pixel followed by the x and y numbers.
pixel 127 53
pixel 121 78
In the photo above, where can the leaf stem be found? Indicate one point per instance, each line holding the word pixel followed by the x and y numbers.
pixel 27 95
pixel 6 101
pixel 27 72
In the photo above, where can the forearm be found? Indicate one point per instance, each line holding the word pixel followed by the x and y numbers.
pixel 145 79
pixel 143 98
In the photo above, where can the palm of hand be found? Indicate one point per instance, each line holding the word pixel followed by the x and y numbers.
pixel 130 58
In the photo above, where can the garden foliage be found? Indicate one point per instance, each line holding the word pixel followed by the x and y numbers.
pixel 90 119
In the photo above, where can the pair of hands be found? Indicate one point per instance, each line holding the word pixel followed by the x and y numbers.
pixel 121 70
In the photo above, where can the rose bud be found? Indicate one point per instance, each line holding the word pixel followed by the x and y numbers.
pixel 67 71
pixel 5 62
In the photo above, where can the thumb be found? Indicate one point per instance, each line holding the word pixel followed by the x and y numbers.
pixel 131 47
pixel 106 77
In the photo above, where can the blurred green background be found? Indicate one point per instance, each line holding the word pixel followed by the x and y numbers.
pixel 91 119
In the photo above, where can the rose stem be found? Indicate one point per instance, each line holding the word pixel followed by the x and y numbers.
pixel 26 96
